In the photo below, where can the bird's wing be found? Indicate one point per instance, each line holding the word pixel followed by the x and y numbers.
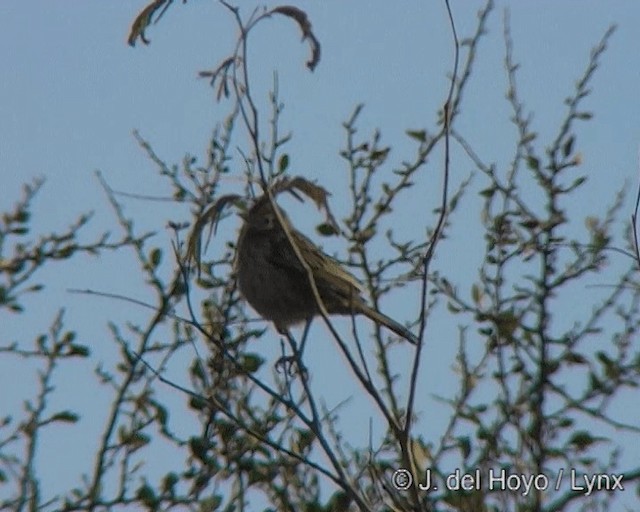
pixel 333 277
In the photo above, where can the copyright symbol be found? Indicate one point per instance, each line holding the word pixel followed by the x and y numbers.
pixel 402 479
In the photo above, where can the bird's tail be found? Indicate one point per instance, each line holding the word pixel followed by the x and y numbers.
pixel 389 323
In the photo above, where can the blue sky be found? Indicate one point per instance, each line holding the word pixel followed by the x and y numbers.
pixel 72 92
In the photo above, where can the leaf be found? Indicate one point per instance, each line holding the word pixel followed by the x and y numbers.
pixel 155 257
pixel 210 503
pixel 533 163
pixel 197 371
pixel 583 439
pixel 575 358
pixel 65 417
pixel 506 323
pixel 567 148
pixel 326 229
pixel 380 155
pixel 319 195
pixel 68 337
pixel 22 216
pixel 530 224
pixel 162 414
pixel 142 21
pixel 452 308
pixel 304 441
pixel 169 482
pixel 134 440
pixel 419 135
pixel 488 192
pixel 222 72
pixel 283 163
pixel 565 423
pixel 305 26
pixel 78 350
pixel 476 293
pixel 365 235
pixel 578 181
pixel 251 363
pixel 209 215
pixel 147 496
pixel 464 444
pixel 197 403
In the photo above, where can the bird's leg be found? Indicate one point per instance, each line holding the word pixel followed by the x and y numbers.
pixel 305 334
pixel 287 362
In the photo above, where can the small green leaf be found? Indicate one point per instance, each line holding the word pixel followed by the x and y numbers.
pixel 147 496
pixel 575 358
pixel 65 252
pixel 251 362
pixel 283 163
pixel 365 235
pixel 197 370
pixel 419 135
pixel 603 358
pixel 579 181
pixel 304 440
pixel 162 414
pixel 155 257
pixel 78 350
pixel 488 192
pixel 22 216
pixel 452 308
pixel 380 155
pixel 133 440
pixel 565 423
pixel 199 447
pixel 326 229
pixel 65 417
pixel 567 148
pixel 211 503
pixel 465 446
pixel 197 403
pixel 582 439
pixel 533 163
pixel 169 482
pixel 180 194
pixel 68 337
pixel 41 342
pixel 476 294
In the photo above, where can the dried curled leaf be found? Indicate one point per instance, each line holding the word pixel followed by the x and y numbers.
pixel 210 215
pixel 222 73
pixel 303 22
pixel 143 20
pixel 316 193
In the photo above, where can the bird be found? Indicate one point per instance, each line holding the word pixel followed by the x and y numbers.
pixel 275 283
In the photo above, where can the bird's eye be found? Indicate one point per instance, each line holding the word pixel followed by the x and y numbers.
pixel 265 222
pixel 269 221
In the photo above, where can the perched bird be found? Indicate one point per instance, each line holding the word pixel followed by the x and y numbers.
pixel 274 281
